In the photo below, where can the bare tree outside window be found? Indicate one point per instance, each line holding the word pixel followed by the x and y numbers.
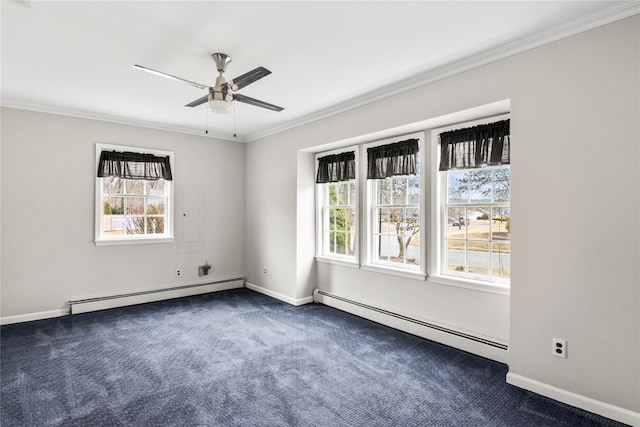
pixel 398 213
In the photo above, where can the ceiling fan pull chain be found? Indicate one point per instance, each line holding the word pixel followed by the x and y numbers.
pixel 206 122
pixel 234 121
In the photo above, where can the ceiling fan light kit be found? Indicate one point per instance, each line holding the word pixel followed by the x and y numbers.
pixel 221 96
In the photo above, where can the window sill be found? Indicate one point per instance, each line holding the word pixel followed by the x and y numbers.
pixel 133 241
pixel 410 274
pixel 337 261
pixel 476 285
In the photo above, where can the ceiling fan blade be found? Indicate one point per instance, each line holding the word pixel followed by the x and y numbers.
pixel 198 101
pixel 249 77
pixel 256 102
pixel 169 76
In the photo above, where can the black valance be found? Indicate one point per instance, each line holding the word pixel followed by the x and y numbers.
pixel 399 158
pixel 336 167
pixel 134 166
pixel 474 147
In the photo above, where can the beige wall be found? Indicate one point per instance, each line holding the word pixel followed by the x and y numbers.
pixel 575 210
pixel 48 251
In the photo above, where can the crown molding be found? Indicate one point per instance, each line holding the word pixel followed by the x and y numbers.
pixel 616 12
pixel 81 114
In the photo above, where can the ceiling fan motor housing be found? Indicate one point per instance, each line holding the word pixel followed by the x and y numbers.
pixel 220 97
pixel 221 59
pixel 220 91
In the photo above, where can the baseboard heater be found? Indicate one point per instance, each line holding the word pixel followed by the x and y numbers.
pixel 133 298
pixel 452 332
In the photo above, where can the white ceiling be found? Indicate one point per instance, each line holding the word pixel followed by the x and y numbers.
pixel 76 57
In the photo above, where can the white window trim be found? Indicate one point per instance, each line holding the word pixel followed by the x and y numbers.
pixel 477 285
pixel 366 199
pixel 101 240
pixel 345 260
pixel 436 242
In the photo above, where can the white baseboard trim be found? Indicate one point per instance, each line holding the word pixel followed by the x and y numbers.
pixel 466 341
pixel 153 295
pixel 588 404
pixel 28 317
pixel 114 301
pixel 279 296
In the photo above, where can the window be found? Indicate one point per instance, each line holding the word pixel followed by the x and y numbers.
pixel 337 201
pixel 396 220
pixel 134 190
pixel 474 199
pixel 394 204
pixel 477 222
pixel 445 193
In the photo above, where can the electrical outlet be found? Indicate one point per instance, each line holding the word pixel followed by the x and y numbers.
pixel 560 348
pixel 265 271
pixel 178 272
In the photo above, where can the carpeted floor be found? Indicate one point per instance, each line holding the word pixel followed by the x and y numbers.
pixel 239 358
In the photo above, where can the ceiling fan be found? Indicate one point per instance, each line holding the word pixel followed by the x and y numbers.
pixel 224 92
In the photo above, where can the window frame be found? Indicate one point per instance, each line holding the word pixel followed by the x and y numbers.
pixel 370 261
pixel 437 211
pixel 444 205
pixel 126 239
pixel 321 193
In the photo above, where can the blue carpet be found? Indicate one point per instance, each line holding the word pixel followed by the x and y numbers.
pixel 239 358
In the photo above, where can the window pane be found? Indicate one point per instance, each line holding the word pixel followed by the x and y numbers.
pixel 456 250
pixel 400 249
pixel 155 188
pixel 501 260
pixel 332 242
pixel 501 224
pixel 341 243
pixel 399 194
pixel 135 206
pixel 343 193
pixel 458 187
pixel 352 193
pixel 383 191
pixel 383 220
pixel 502 185
pixel 332 219
pixel 341 219
pixel 384 250
pixel 396 217
pixel 349 219
pixel 134 186
pixel 480 185
pixel 414 190
pixel 135 224
pixel 155 206
pixel 478 258
pixel 155 225
pixel 351 243
pixel 112 185
pixel 412 249
pixel 456 223
pixel 113 205
pixel 333 194
pixel 411 221
pixel 479 223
